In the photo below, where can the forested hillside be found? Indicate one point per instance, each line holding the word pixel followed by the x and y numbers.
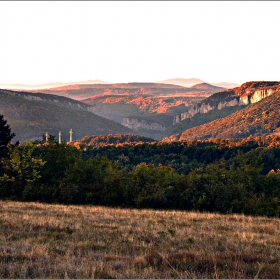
pixel 236 99
pixel 258 119
pixel 185 156
pixel 30 117
pixel 173 132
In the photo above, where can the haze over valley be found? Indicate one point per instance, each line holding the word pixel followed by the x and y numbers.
pixel 154 110
pixel 148 107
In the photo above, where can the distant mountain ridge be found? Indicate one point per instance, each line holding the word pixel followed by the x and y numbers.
pixel 182 82
pixel 194 81
pixel 226 85
pixel 84 91
pixel 49 85
pixel 208 87
pixel 177 81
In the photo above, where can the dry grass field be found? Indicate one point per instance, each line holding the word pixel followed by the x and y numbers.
pixel 54 241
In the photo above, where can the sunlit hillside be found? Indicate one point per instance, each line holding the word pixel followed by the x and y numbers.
pixel 258 119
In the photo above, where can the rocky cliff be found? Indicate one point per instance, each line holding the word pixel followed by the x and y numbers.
pixel 205 107
pixel 137 123
pixel 253 96
pixel 248 93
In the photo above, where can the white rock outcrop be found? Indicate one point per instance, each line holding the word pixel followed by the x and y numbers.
pixel 136 124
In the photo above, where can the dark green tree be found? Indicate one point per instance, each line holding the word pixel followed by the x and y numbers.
pixel 59 158
pixel 95 181
pixel 154 187
pixel 6 136
pixel 21 171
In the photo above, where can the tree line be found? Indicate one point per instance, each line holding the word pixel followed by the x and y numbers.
pixel 224 176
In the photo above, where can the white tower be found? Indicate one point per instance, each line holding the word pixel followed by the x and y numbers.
pixel 71 135
pixel 59 137
pixel 47 137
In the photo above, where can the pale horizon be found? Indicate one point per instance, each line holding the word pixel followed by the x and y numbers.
pixel 123 42
pixel 176 81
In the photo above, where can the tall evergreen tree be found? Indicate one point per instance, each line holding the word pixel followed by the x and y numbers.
pixel 6 136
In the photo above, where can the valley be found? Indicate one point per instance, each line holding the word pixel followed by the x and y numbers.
pixel 147 108
pixel 154 110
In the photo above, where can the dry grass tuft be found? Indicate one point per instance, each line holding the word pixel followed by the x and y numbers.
pixel 55 241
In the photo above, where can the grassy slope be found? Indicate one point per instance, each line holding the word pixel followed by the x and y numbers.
pixel 260 118
pixel 31 119
pixel 52 241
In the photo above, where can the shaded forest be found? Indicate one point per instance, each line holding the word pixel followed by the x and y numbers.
pixel 225 176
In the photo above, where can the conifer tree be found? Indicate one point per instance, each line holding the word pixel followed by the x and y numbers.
pixel 6 136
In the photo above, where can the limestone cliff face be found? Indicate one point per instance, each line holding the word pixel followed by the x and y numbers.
pixel 202 109
pixel 246 94
pixel 136 124
pixel 253 96
pixel 205 108
pixel 233 102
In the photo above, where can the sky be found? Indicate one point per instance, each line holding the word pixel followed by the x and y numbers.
pixel 139 41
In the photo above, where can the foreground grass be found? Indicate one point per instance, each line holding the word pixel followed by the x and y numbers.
pixel 54 241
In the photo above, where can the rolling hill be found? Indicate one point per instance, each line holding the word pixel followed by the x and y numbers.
pixel 31 115
pixel 257 119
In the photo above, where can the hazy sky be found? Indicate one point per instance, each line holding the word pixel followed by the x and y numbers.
pixel 43 42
